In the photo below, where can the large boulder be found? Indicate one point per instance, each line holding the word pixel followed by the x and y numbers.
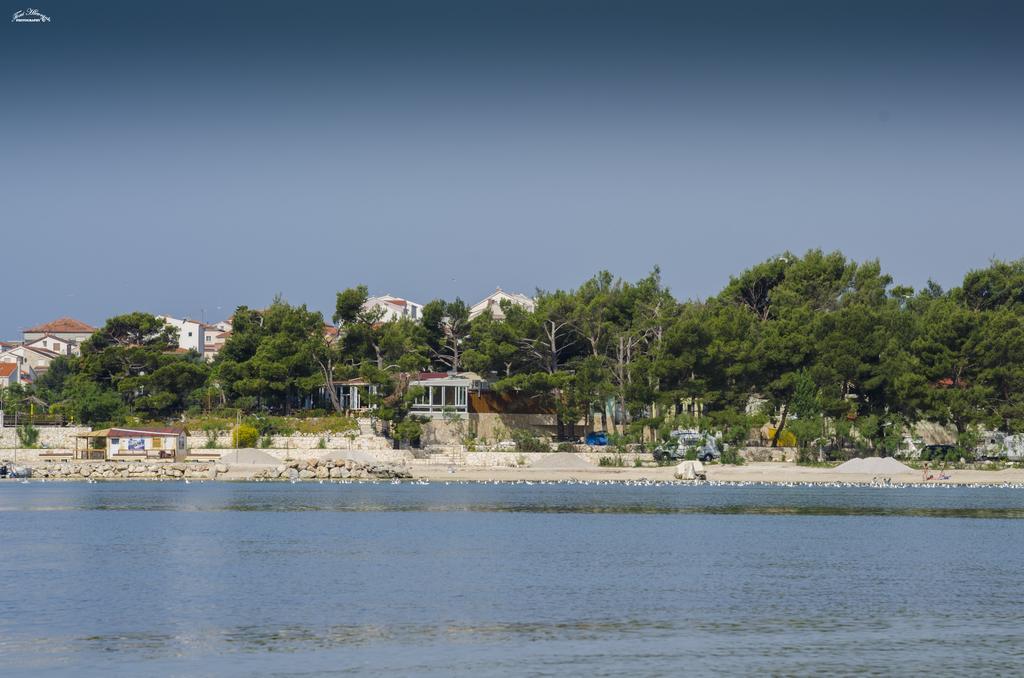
pixel 691 470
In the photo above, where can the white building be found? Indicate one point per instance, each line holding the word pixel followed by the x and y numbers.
pixel 191 333
pixel 214 343
pixel 50 342
pixel 492 303
pixel 443 394
pixel 394 308
pixel 31 362
pixel 147 443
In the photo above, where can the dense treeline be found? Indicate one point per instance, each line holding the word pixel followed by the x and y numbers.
pixel 831 348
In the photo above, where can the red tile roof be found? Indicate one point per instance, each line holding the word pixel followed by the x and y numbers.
pixel 8 369
pixel 64 324
pixel 144 432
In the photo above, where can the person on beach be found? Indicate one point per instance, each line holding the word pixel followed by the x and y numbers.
pixel 925 476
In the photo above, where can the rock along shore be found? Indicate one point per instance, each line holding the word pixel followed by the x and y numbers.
pixel 311 469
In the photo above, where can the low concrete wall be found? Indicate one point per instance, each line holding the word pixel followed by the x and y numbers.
pixel 311 441
pixel 389 456
pixel 516 459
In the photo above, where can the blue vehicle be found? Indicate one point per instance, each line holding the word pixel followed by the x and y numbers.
pixel 597 438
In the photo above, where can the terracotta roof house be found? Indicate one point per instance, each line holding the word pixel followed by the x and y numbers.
pixel 8 374
pixel 32 360
pixel 67 329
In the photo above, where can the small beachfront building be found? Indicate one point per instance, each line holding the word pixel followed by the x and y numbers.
pixel 442 394
pixel 354 394
pixel 146 443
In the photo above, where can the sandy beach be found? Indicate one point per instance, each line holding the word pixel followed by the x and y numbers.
pixel 769 472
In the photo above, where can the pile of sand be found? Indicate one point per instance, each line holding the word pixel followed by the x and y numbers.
pixel 562 460
pixel 875 466
pixel 251 457
pixel 361 456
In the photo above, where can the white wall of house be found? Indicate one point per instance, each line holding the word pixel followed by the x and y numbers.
pixel 394 308
pixel 191 334
pixel 52 343
pixel 28 361
pixel 75 338
pixel 493 302
pixel 151 445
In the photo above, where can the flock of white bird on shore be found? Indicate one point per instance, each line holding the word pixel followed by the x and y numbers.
pixel 641 482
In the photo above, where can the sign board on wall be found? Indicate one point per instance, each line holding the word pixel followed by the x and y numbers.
pixel 136 444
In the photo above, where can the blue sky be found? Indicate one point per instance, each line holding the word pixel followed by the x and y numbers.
pixel 188 157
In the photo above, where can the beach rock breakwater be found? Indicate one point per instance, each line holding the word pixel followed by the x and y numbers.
pixel 296 470
pixel 121 470
pixel 329 469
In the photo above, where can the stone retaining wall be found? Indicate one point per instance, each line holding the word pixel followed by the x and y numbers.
pixel 51 437
pixel 768 453
pixel 303 441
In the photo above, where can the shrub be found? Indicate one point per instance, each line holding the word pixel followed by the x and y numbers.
pixel 245 435
pixel 527 442
pixel 566 447
pixel 335 424
pixel 615 460
pixel 322 443
pixel 211 441
pixel 731 456
pixel 266 441
pixel 28 435
pixel 409 430
pixel 691 454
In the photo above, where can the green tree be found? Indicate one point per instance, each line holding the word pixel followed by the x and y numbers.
pixel 447 328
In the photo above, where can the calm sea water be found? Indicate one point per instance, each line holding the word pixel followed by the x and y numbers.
pixel 299 580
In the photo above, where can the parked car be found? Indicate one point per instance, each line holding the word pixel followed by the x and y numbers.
pixel 597 438
pixel 681 441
